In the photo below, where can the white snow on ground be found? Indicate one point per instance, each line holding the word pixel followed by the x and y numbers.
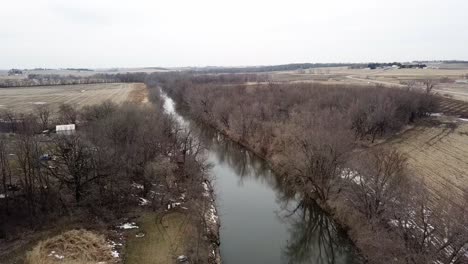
pixel 114 251
pixel 351 175
pixel 115 254
pixel 463 119
pixel 137 186
pixel 143 201
pixel 55 255
pixel 207 190
pixel 2 196
pixel 435 114
pixel 130 225
pixel 172 205
pixel 212 214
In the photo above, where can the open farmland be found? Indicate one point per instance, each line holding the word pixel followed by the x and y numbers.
pixel 437 154
pixel 451 79
pixel 24 99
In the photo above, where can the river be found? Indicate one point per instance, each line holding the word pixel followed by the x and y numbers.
pixel 260 221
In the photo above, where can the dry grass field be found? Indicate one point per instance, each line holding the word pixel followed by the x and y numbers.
pixel 456 85
pixel 437 152
pixel 25 99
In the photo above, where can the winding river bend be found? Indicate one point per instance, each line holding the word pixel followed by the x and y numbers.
pixel 260 221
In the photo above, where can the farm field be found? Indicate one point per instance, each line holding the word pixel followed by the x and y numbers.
pixel 24 99
pixel 436 152
pixel 455 84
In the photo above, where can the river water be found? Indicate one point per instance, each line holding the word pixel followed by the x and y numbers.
pixel 260 221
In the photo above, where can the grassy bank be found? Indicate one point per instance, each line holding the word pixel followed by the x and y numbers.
pixel 166 236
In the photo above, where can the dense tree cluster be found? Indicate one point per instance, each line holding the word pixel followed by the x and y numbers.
pixel 61 79
pixel 118 154
pixel 312 134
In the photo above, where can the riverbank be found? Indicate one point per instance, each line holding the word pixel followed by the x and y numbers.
pixel 183 231
pixel 328 208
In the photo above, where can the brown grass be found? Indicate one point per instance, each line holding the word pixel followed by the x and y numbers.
pixel 139 94
pixel 76 247
pixel 26 99
pixel 167 236
pixel 438 154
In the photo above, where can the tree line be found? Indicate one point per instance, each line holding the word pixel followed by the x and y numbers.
pixel 316 137
pixel 118 155
pixel 59 79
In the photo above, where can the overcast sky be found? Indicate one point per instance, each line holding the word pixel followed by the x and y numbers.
pixel 137 33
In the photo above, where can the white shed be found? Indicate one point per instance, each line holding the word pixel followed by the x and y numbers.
pixel 65 129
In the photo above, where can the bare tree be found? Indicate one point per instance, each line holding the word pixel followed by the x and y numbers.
pixel 43 112
pixel 429 85
pixel 68 113
pixel 5 173
pixel 74 165
pixel 28 153
pixel 10 117
pixel 376 181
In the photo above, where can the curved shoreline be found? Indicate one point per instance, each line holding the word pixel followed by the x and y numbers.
pixel 326 207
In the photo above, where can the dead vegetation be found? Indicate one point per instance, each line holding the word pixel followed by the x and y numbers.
pixel 119 156
pixel 26 99
pixel 311 132
pixel 72 247
pixel 437 154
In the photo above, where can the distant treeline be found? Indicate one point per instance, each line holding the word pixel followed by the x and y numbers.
pixel 442 61
pixel 78 69
pixel 57 79
pixel 375 65
pixel 283 67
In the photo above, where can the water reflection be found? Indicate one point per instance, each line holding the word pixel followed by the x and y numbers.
pixel 313 236
pixel 262 220
pixel 243 162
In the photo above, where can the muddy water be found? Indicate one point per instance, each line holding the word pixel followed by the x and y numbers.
pixel 260 221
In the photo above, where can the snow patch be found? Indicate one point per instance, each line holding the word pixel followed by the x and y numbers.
pixel 435 114
pixel 143 201
pixel 207 189
pixel 172 205
pixel 130 225
pixel 113 246
pixel 55 255
pixel 115 254
pixel 137 186
pixel 463 119
pixel 2 196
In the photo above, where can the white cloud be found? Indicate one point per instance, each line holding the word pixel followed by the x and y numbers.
pixel 105 33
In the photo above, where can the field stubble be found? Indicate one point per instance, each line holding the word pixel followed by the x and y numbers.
pixel 25 99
